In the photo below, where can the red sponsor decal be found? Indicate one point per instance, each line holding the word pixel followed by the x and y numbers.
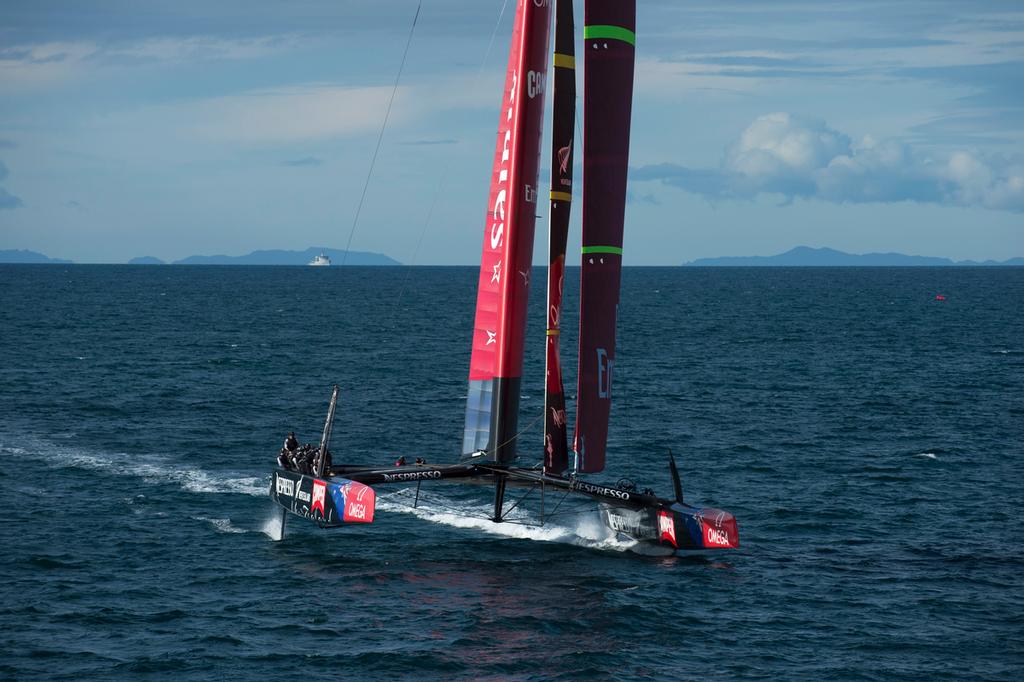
pixel 716 537
pixel 359 503
pixel 319 490
pixel 667 527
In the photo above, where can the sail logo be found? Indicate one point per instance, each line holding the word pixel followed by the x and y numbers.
pixel 498 211
pixel 319 491
pixel 558 417
pixel 285 487
pixel 535 83
pixel 359 503
pixel 716 537
pixel 604 374
pixel 599 490
pixel 625 525
pixel 563 161
pixel 667 527
pixel 412 476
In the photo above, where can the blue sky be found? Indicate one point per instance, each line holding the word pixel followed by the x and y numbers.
pixel 176 128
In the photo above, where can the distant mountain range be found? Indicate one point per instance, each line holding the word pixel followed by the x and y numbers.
pixel 280 257
pixel 799 256
pixel 807 256
pixel 276 257
pixel 21 256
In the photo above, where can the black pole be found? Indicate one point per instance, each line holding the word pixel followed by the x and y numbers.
pixel 676 483
pixel 325 439
pixel 499 498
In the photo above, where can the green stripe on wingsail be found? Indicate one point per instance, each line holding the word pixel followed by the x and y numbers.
pixel 602 249
pixel 614 32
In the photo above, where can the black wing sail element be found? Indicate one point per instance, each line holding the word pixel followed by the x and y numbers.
pixel 556 457
pixel 609 40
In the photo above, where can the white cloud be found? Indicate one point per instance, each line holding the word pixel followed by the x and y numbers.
pixel 310 111
pixel 794 157
pixel 284 114
pixel 42 64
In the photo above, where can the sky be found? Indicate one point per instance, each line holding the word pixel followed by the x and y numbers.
pixel 173 128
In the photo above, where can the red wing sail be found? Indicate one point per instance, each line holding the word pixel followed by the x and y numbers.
pixel 495 369
pixel 563 129
pixel 609 40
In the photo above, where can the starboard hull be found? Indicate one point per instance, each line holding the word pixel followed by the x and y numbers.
pixel 676 526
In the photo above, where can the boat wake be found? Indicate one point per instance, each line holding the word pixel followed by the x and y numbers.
pixel 221 525
pixel 151 468
pixel 583 530
pixel 273 525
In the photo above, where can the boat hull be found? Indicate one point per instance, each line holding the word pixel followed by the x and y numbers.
pixel 344 497
pixel 677 526
pixel 329 502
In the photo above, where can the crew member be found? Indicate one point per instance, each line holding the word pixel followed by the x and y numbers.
pixel 305 458
pixel 400 462
pixel 290 443
pixel 326 462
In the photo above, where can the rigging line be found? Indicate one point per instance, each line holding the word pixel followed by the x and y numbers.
pixel 447 167
pixel 564 496
pixel 380 136
pixel 444 177
pixel 493 34
pixel 513 437
pixel 523 497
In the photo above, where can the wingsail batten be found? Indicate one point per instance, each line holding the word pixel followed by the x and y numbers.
pixel 556 450
pixel 609 43
pixel 503 287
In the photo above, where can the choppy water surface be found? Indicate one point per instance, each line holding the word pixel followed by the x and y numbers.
pixel 867 437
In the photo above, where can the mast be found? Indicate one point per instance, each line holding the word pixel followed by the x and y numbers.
pixel 562 140
pixel 609 39
pixel 495 370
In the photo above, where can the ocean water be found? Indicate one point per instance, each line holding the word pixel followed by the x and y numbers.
pixel 867 436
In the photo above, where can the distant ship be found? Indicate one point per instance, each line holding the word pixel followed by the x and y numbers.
pixel 322 259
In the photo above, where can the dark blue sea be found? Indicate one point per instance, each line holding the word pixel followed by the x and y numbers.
pixel 868 437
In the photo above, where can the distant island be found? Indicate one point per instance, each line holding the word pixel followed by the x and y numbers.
pixel 22 256
pixel 807 256
pixel 273 257
pixel 280 257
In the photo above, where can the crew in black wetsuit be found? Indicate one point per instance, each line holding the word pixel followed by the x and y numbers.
pixel 303 459
pixel 400 462
pixel 290 443
pixel 327 462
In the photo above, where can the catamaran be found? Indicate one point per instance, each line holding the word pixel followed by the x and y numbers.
pixel 332 495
